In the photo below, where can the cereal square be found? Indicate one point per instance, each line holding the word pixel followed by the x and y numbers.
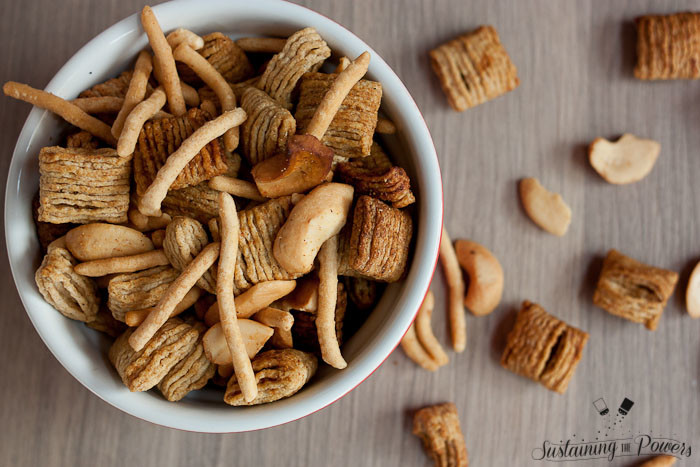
pixel 668 47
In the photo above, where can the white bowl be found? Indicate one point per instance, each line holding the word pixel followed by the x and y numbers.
pixel 82 351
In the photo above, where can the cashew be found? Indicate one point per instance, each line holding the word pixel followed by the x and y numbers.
pixel 485 277
pixel 692 293
pixel 546 209
pixel 98 241
pixel 627 160
pixel 254 336
pixel 313 220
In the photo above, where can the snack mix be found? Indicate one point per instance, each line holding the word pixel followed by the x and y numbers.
pixel 161 236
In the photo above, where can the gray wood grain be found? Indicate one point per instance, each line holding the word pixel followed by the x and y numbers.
pixel 575 62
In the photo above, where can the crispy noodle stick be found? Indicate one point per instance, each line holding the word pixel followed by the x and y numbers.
pixel 270 45
pixel 275 318
pixel 425 332
pixel 415 351
pixel 186 36
pixel 61 107
pixel 136 91
pixel 334 97
pixel 229 229
pixel 236 187
pixel 146 223
pixel 190 94
pixel 101 104
pixel 255 299
pixel 135 317
pixel 327 298
pixel 343 63
pixel 164 55
pixel 149 204
pixel 455 286
pixel 102 267
pixel 212 78
pixel 136 119
pixel 174 295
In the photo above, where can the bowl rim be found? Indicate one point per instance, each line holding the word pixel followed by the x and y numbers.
pixel 422 280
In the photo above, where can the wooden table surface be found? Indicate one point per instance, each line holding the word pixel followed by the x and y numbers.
pixel 575 63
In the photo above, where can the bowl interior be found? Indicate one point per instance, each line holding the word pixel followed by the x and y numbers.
pixel 82 351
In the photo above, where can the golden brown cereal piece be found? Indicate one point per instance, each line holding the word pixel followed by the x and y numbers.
pixel 259 227
pixel 379 241
pixel 377 177
pixel 83 185
pixel 668 46
pixel 142 370
pixel 543 348
pixel 438 427
pixel 267 128
pixel 184 240
pixel 224 55
pixel 351 130
pixel 565 356
pixel 104 322
pixel 271 45
pixel 474 68
pixel 73 295
pixel 304 328
pixel 189 374
pixel 114 87
pixel 362 292
pixel 531 341
pixel 279 374
pixel 633 290
pixel 81 139
pixel 138 290
pixel 304 51
pixel 198 201
pixel 160 138
pixel 46 231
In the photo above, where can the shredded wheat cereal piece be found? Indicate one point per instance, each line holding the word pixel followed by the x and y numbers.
pixel 81 139
pixel 83 185
pixel 198 201
pixel 370 176
pixel 164 61
pixel 143 369
pixel 152 198
pixel 379 241
pixel 278 373
pixel 189 374
pixel 184 239
pixel 61 107
pixel 268 127
pixel 174 295
pixel 351 129
pixel 161 138
pixel 73 295
pixel 115 87
pixel 225 56
pixel 270 45
pixel 543 348
pixel 668 46
pixel 304 51
pixel 138 290
pixel 438 427
pixel 135 317
pixel 474 68
pixel 633 290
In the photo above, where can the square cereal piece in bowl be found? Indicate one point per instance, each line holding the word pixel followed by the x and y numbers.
pixel 83 351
